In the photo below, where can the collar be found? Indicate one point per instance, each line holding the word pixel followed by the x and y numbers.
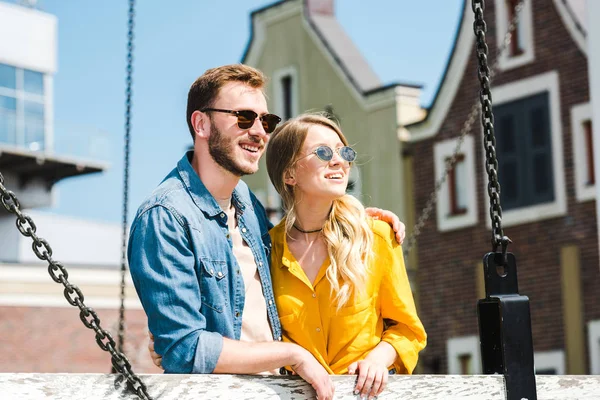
pixel 205 201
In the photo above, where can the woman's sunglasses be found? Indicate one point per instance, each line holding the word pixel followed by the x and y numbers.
pixel 325 153
pixel 246 118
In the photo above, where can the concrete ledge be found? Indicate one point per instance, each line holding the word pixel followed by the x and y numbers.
pixel 243 387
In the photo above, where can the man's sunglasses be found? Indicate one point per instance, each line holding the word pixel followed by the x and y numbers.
pixel 246 118
pixel 325 153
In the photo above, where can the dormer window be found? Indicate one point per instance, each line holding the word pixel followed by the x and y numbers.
pixel 285 88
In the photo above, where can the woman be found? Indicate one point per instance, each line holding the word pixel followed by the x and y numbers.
pixel 339 279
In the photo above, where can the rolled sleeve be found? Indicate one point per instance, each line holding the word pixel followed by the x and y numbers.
pixel 404 330
pixel 163 270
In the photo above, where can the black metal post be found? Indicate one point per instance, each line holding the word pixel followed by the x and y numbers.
pixel 505 328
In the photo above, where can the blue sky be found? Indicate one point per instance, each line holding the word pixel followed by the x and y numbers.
pixel 175 42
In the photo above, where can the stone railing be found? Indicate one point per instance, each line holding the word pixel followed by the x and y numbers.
pixel 25 386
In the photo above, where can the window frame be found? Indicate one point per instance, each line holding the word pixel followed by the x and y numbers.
pixel 579 114
pixel 446 219
pixel 554 359
pixel 459 346
pixel 594 346
pixel 515 90
pixel 278 97
pixel 22 97
pixel 506 60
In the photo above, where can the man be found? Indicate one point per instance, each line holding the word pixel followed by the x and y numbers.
pixel 199 245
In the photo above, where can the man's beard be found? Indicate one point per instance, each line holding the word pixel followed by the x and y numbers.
pixel 221 150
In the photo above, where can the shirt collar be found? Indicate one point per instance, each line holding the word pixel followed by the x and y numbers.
pixel 202 197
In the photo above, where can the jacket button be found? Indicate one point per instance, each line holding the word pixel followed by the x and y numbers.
pixel 219 274
pixel 222 215
pixel 237 314
pixel 244 230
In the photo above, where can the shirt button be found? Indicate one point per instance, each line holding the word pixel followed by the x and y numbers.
pixel 222 215
pixel 219 274
pixel 318 329
pixel 238 271
pixel 237 314
pixel 212 271
pixel 227 236
pixel 314 295
pixel 279 338
pixel 244 230
pixel 260 263
pixel 270 302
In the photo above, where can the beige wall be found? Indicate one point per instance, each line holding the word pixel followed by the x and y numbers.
pixel 373 132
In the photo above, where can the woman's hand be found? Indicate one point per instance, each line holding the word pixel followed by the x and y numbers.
pixel 390 218
pixel 156 359
pixel 372 378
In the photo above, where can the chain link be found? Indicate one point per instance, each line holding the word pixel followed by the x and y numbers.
pixel 466 129
pixel 72 293
pixel 128 104
pixel 487 121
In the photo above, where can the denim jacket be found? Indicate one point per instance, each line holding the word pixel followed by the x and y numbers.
pixel 184 271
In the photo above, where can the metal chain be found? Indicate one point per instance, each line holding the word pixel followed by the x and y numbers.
pixel 128 104
pixel 466 129
pixel 72 293
pixel 487 120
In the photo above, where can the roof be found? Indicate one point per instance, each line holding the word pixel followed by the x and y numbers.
pixel 27 165
pixel 343 50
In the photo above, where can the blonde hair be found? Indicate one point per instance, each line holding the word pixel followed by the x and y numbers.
pixel 346 232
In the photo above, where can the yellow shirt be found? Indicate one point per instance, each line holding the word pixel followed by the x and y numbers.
pixel 338 338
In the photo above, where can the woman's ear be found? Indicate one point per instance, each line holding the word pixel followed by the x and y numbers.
pixel 288 178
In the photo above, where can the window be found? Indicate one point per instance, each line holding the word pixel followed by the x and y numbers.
pixel 549 362
pixel 520 51
pixel 529 148
pixel 516 43
pixel 457 201
pixel 286 92
pixel 22 108
pixel 594 346
pixel 457 186
pixel 583 151
pixel 285 86
pixel 524 151
pixel 589 154
pixel 463 355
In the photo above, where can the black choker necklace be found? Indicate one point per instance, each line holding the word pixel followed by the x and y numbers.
pixel 300 230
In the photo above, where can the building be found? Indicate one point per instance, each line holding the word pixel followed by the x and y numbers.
pixel 544 129
pixel 313 66
pixel 39 330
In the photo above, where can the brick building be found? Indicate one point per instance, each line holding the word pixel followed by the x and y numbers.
pixel 543 122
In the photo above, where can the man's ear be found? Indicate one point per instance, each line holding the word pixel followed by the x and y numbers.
pixel 288 178
pixel 200 123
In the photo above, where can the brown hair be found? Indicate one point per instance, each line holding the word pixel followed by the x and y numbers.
pixel 205 89
pixel 346 232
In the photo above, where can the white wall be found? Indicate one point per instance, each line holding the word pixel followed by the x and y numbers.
pixel 27 38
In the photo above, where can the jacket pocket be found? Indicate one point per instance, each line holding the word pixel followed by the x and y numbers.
pixel 215 286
